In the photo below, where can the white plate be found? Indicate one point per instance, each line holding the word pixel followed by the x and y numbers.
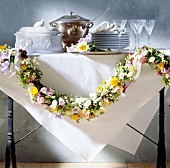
pixel 99 53
pixel 126 51
pixel 113 47
pixel 110 46
pixel 111 33
pixel 110 38
pixel 110 43
pixel 119 37
pixel 103 44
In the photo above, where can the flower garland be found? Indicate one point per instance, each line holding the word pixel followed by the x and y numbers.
pixel 78 108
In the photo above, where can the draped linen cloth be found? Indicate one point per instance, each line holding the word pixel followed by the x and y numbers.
pixel 80 75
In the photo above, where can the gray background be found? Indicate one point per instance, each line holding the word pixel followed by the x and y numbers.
pixel 42 146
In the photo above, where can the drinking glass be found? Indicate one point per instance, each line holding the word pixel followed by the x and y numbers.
pixel 137 26
pixel 149 25
pixel 120 22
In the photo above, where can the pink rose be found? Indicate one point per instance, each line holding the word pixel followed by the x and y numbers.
pixel 43 90
pixel 50 92
pixel 40 100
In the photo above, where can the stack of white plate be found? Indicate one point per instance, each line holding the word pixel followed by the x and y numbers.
pixel 111 40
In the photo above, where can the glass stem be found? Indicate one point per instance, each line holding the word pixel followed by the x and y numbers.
pixel 135 41
pixel 148 40
pixel 138 36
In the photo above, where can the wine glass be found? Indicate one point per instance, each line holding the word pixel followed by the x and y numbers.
pixel 120 22
pixel 137 26
pixel 149 25
pixel 119 26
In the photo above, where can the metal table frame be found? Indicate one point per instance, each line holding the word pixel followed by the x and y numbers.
pixel 10 147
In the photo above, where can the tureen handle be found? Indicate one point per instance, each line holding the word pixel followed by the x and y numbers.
pixel 87 25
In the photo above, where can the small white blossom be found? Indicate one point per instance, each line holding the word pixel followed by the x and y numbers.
pixel 139 56
pixel 161 55
pixel 54 104
pixel 130 74
pixel 93 95
pixel 80 100
pixel 135 60
pixel 145 53
pixel 97 100
pixel 87 103
pixel 121 75
pixel 151 59
pixel 30 86
pixel 61 101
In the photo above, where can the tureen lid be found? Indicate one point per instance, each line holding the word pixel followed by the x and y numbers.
pixel 38 27
pixel 38 30
pixel 68 18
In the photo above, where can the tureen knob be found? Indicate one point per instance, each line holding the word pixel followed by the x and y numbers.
pixel 39 23
pixel 70 13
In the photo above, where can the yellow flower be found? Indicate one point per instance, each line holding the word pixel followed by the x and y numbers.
pixel 54 109
pixel 74 117
pixel 107 101
pixel 83 46
pixel 99 88
pixel 3 47
pixel 24 67
pixel 103 82
pixel 114 81
pixel 160 65
pixel 68 113
pixel 34 91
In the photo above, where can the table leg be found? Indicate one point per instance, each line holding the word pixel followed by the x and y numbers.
pixel 161 157
pixel 10 148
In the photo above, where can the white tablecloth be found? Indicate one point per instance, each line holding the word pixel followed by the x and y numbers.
pixel 79 75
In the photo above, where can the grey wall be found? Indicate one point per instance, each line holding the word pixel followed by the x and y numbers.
pixel 16 14
pixel 42 146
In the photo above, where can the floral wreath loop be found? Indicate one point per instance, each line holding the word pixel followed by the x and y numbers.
pixel 78 108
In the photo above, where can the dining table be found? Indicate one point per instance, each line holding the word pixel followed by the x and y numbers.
pixel 79 74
